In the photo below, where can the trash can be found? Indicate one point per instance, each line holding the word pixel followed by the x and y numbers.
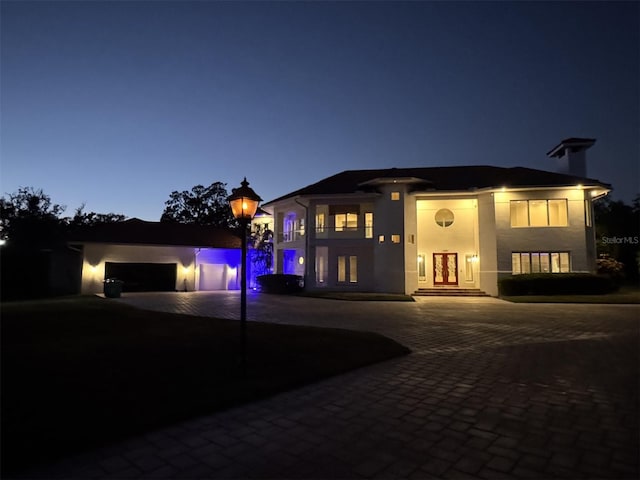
pixel 112 287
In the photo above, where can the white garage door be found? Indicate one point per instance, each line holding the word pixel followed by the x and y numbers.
pixel 217 277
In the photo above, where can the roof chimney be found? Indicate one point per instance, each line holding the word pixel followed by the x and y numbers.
pixel 571 156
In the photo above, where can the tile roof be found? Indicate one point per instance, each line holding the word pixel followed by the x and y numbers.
pixel 444 179
pixel 141 232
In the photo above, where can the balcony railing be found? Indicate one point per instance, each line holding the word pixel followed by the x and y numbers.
pixel 326 232
pixel 291 236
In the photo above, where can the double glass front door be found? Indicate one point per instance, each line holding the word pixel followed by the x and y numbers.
pixel 445 269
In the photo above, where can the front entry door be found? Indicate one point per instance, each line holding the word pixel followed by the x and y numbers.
pixel 445 269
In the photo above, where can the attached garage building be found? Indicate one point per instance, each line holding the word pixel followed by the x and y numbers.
pixel 158 256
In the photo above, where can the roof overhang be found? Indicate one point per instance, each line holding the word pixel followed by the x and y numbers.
pixel 597 190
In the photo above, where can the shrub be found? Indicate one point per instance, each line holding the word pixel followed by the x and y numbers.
pixel 611 267
pixel 556 284
pixel 280 283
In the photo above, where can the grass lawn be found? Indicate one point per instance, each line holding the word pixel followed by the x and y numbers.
pixel 627 294
pixel 360 296
pixel 79 372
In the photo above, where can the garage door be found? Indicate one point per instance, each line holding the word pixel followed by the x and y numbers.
pixel 143 277
pixel 217 277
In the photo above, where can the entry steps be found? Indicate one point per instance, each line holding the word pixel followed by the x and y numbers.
pixel 450 292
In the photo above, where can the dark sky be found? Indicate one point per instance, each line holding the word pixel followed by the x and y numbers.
pixel 116 104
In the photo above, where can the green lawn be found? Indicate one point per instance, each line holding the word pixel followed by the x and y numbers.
pixel 627 294
pixel 80 372
pixel 360 296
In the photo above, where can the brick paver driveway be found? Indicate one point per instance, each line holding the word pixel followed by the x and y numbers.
pixel 491 390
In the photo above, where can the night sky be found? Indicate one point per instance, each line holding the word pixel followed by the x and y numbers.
pixel 117 104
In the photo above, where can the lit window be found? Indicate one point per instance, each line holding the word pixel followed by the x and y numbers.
pixel 342 268
pixel 368 225
pixel 320 223
pixel 421 267
pixel 558 213
pixel 468 267
pixel 289 228
pixel 519 213
pixel 515 264
pixel 322 264
pixel 587 213
pixel 539 213
pixel 444 217
pixel 380 238
pixel 346 221
pixel 539 262
pixel 347 269
pixel 395 238
pixel 353 269
pixel 395 195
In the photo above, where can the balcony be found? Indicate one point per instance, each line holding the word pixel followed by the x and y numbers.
pixel 291 236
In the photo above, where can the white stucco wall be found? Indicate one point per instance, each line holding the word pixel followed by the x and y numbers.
pixel 410 244
pixel 460 238
pixel 487 247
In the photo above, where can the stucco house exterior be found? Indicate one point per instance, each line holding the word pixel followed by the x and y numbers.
pixel 158 256
pixel 400 230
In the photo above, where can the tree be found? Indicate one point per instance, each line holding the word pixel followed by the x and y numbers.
pixel 617 233
pixel 29 218
pixel 261 254
pixel 81 218
pixel 202 206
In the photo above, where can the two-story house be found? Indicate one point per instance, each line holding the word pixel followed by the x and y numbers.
pixel 401 229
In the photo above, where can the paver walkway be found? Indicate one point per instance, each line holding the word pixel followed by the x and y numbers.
pixel 491 390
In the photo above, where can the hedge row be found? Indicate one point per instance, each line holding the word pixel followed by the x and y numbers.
pixel 280 283
pixel 556 284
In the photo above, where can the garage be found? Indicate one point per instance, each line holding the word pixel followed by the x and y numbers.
pixel 158 256
pixel 143 277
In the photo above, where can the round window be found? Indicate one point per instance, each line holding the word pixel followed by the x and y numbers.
pixel 444 217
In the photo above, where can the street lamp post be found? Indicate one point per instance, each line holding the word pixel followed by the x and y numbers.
pixel 244 203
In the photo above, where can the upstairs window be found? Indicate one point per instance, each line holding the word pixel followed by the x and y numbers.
pixel 539 213
pixel 320 222
pixel 368 225
pixel 346 221
pixel 444 217
pixel 289 228
pixel 345 217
